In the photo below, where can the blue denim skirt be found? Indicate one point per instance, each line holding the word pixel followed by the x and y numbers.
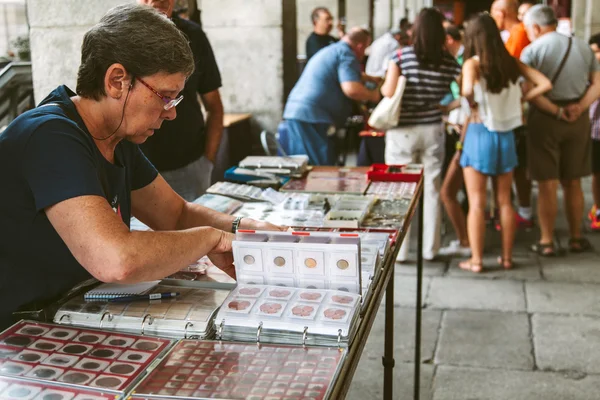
pixel 489 152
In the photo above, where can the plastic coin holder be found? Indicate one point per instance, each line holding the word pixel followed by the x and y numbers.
pixel 31 356
pixel 251 279
pixel 90 338
pixel 279 294
pixel 92 364
pixel 281 281
pixel 345 286
pixel 247 259
pixel 239 305
pixel 270 308
pixel 311 296
pixel 335 313
pixel 32 330
pixel 46 345
pixel 303 310
pixel 13 368
pixel 310 262
pixel 343 299
pixel 280 261
pixel 55 394
pixel 137 356
pixel 61 360
pixel 118 341
pixel 311 283
pixel 20 391
pixel 108 382
pixel 45 372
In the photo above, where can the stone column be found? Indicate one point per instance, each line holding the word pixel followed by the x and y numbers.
pixel 56 33
pixel 383 17
pixel 357 13
pixel 304 25
pixel 585 17
pixel 248 40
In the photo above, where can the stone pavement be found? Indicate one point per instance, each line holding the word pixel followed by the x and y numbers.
pixel 529 333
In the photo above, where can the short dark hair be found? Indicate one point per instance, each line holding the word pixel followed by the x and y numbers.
pixel 429 37
pixel 497 66
pixel 403 22
pixel 595 39
pixel 454 32
pixel 137 36
pixel 314 16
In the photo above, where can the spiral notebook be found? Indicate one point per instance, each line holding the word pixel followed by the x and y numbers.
pixel 108 291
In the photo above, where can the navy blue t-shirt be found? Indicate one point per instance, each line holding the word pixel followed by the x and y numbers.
pixel 47 156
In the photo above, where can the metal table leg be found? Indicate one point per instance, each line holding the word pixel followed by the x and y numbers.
pixel 388 357
pixel 417 381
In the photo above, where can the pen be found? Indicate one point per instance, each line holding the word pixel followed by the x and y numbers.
pixel 152 296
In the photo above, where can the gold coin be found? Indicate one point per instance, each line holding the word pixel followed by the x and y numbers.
pixel 310 262
pixel 249 259
pixel 342 264
pixel 279 261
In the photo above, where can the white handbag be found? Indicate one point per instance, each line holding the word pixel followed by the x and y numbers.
pixel 387 113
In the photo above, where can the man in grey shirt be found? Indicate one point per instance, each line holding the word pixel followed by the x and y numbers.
pixel 559 125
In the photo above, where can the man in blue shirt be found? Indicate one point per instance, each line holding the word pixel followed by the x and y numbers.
pixel 322 97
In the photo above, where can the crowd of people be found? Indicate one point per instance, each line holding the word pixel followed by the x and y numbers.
pixel 519 100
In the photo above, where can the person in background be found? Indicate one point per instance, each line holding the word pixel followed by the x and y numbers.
pixel 322 27
pixel 490 84
pixel 594 214
pixel 505 13
pixel 453 180
pixel 321 100
pixel 381 51
pixel 184 150
pixel 559 125
pixel 429 70
pixel 523 8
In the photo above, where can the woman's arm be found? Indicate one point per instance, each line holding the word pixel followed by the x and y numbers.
pixel 541 84
pixel 470 72
pixel 391 79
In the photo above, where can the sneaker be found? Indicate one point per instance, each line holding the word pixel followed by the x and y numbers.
pixel 455 249
pixel 594 221
pixel 592 213
pixel 524 223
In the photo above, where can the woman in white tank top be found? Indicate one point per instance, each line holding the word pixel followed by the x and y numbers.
pixel 492 96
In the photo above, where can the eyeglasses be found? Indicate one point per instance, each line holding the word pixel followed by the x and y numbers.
pixel 169 102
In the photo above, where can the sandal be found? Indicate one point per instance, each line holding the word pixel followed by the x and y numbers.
pixel 544 249
pixel 468 265
pixel 580 245
pixel 506 264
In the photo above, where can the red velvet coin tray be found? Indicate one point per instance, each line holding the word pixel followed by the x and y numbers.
pixel 109 361
pixel 21 389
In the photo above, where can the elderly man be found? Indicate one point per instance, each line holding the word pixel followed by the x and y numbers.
pixel 523 8
pixel 184 150
pixel 322 97
pixel 381 51
pixel 559 124
pixel 320 37
pixel 72 173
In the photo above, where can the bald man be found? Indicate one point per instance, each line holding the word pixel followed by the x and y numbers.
pixel 505 13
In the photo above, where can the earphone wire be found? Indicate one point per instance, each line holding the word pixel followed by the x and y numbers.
pixel 122 118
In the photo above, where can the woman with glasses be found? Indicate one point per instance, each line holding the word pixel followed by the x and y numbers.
pixel 72 174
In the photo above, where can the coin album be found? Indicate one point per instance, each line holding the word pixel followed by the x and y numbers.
pixel 224 370
pixel 274 314
pixel 187 315
pixel 21 389
pixel 106 361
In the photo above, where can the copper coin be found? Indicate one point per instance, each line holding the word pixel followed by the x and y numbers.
pixel 122 369
pixel 59 360
pixel 45 346
pixel 103 353
pixel 302 311
pixel 88 338
pixel 279 293
pixel 270 308
pixel 310 296
pixel 279 261
pixel 148 346
pixel 29 357
pixel 90 365
pixel 53 396
pixel 334 313
pixel 60 334
pixel 248 259
pixel 238 305
pixel 310 263
pixel 249 291
pixel 44 373
pixel 18 341
pixel 108 382
pixel 342 299
pixel 33 331
pixel 75 349
pixel 117 342
pixel 342 264
pixel 135 357
pixel 75 377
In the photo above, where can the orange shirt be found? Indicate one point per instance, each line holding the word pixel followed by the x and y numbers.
pixel 517 40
